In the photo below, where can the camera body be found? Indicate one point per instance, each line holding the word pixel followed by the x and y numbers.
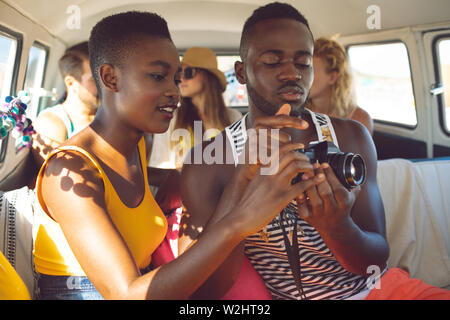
pixel 349 168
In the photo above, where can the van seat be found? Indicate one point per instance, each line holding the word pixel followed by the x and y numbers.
pixel 417 207
pixel 16 239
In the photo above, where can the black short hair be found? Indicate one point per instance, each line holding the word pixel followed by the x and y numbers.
pixel 114 37
pixel 274 10
pixel 71 63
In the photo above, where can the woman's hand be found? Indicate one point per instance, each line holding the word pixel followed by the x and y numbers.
pixel 266 195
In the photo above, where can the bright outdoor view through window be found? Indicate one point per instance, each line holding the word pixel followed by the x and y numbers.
pixel 383 84
pixel 444 63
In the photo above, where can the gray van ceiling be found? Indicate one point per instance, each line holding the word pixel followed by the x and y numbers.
pixel 218 23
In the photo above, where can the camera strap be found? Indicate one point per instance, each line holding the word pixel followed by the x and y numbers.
pixel 324 128
pixel 292 251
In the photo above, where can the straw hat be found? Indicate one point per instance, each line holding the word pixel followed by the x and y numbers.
pixel 204 58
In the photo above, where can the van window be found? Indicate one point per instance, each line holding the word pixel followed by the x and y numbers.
pixel 34 76
pixel 8 51
pixel 236 93
pixel 443 47
pixel 382 79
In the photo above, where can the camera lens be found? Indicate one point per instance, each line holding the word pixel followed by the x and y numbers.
pixel 349 168
pixel 354 170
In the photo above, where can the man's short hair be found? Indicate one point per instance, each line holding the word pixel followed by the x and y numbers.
pixel 274 10
pixel 113 38
pixel 71 63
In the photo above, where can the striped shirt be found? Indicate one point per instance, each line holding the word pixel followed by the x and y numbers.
pixel 322 276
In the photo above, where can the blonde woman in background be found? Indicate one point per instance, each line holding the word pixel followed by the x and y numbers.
pixel 202 86
pixel 331 92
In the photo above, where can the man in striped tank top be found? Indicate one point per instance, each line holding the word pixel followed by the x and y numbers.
pixel 342 248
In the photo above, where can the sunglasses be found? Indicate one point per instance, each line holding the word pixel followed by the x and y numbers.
pixel 189 73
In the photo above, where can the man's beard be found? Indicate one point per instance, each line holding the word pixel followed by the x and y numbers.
pixel 269 108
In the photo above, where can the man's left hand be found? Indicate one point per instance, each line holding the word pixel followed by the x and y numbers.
pixel 327 206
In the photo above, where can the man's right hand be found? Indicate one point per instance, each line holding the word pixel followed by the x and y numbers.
pixel 265 140
pixel 266 187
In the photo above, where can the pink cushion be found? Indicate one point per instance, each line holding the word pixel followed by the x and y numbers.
pixel 249 284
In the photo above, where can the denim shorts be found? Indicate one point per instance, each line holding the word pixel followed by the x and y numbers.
pixel 66 288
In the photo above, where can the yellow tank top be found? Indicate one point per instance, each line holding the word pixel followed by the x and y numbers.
pixel 11 285
pixel 143 227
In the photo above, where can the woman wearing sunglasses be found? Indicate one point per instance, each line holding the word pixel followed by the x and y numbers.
pixel 202 108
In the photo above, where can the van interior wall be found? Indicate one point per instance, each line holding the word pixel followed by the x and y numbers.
pixel 32 31
pixel 426 139
pixel 16 167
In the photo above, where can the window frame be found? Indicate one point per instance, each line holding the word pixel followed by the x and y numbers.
pixel 14 79
pixel 392 41
pixel 42 46
pixel 438 79
pixel 19 38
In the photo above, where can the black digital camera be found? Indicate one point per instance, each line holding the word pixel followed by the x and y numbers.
pixel 349 168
